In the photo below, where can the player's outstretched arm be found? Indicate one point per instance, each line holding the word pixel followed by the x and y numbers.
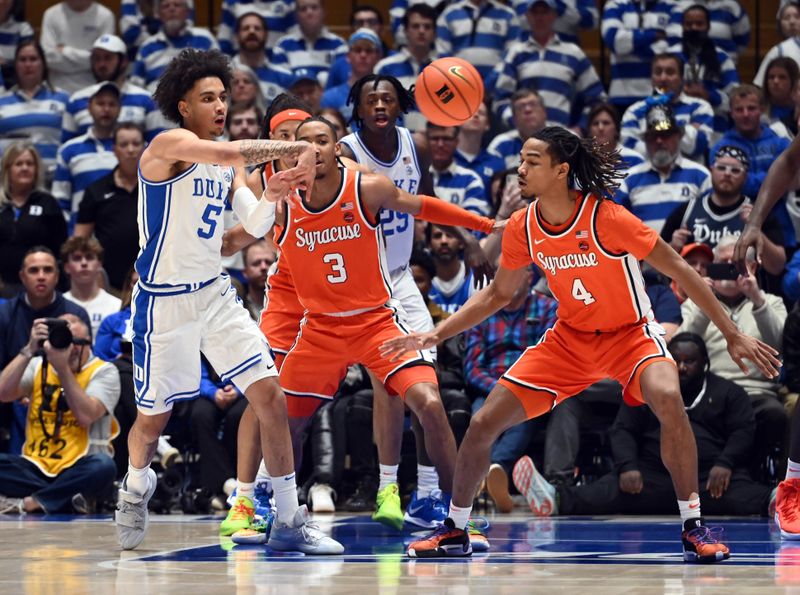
pixel 740 346
pixel 779 177
pixel 477 309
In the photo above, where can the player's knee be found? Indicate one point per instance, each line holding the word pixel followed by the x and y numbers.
pixel 666 402
pixel 265 394
pixel 481 430
pixel 429 410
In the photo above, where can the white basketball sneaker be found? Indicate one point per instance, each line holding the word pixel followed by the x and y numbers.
pixel 131 516
pixel 303 535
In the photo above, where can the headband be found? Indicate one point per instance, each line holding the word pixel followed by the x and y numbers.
pixel 285 115
pixel 735 152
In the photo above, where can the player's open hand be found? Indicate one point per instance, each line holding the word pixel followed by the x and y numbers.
pixel 477 262
pixel 395 348
pixel 280 189
pixel 765 358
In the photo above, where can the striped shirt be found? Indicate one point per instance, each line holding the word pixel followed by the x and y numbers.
pixel 790 48
pixel 729 24
pixel 652 197
pixel 136 105
pixel 572 16
pixel 460 186
pixel 398 10
pixel 451 295
pixel 279 15
pixel 135 28
pixel 12 32
pixel 484 164
pixel 562 74
pixel 478 34
pixel 272 79
pixel 506 146
pixel 295 52
pixel 629 31
pixel 158 50
pixel 405 68
pixel 689 111
pixel 81 161
pixel 37 119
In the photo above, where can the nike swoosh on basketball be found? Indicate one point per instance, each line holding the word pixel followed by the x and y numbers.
pixel 537 242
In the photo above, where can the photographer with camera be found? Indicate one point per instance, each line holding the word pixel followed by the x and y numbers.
pixel 71 397
pixel 757 313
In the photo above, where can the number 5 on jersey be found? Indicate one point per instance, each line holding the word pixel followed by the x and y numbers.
pixel 337 266
pixel 579 292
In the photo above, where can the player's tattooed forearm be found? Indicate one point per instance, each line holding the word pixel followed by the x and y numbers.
pixel 261 151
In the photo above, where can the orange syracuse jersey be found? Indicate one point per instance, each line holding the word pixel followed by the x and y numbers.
pixel 591 262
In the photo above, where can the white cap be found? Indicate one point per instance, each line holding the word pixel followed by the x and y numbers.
pixel 110 43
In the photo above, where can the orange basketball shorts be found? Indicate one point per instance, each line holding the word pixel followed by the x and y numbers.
pixel 567 361
pixel 280 328
pixel 326 346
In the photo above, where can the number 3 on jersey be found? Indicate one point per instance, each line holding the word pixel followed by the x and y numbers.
pixel 580 293
pixel 337 266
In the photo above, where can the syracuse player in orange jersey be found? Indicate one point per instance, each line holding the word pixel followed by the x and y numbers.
pixel 589 250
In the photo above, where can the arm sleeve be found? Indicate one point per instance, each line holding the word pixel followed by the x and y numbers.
pixel 515 254
pixel 619 230
pixel 105 386
pixel 740 423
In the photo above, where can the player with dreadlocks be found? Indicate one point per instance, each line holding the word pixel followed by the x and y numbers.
pixel 589 249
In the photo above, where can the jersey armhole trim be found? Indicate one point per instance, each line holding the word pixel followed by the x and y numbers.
pixel 180 176
pixel 362 208
pixel 596 236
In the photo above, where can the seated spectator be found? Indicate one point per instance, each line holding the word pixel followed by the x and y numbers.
pixel 139 20
pixel 311 48
pixel 459 185
pixel 698 256
pixel 761 145
pixel 278 16
pixel 363 16
pixel 789 26
pixel 561 72
pixel 398 11
pixel 108 209
pixel 604 126
pixel 38 299
pixel 66 462
pixel 478 32
pixel 363 54
pixel 175 34
pixel 90 156
pixel 729 25
pixel 721 418
pixel 573 15
pixel 82 259
pixel 243 121
pixel 245 88
pixel 32 109
pixel 653 189
pixel 307 88
pixel 724 211
pixel 29 216
pixel 471 151
pixel 453 284
pixel 780 79
pixel 258 258
pixel 490 348
pixel 337 120
pixel 251 35
pixel 109 62
pixel 13 32
pixel 108 343
pixel 69 29
pixel 694 115
pixel 761 315
pixel 530 116
pixel 789 19
pixel 419 23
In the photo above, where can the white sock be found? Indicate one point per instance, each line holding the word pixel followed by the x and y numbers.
pixel 137 482
pixel 427 480
pixel 690 509
pixel 263 475
pixel 247 490
pixel 387 475
pixel 459 515
pixel 285 491
pixel 792 470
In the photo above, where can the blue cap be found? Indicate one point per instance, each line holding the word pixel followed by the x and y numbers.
pixel 304 74
pixel 365 34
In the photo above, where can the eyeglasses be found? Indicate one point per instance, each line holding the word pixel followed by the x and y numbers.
pixel 729 169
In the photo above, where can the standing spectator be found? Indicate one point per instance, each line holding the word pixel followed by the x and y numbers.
pixel 459 185
pixel 478 31
pixel 471 152
pixel 694 115
pixel 573 15
pixel 560 71
pixel 635 31
pixel 29 216
pixel 12 33
pixel 278 15
pixel 453 284
pixel 527 108
pixel 780 80
pixel 363 54
pixel 90 156
pixel 789 19
pixel 363 16
pixel 175 34
pixel 789 48
pixel 729 24
pixel 604 126
pixel 419 23
pixel 82 259
pixel 311 48
pixel 109 210
pixel 258 258
pixel 32 109
pixel 139 20
pixel 653 189
pixel 109 61
pixel 69 29
pixel 251 35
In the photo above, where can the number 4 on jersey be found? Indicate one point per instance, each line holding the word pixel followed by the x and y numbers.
pixel 580 293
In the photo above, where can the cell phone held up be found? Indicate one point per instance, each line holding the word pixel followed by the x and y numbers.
pixel 722 271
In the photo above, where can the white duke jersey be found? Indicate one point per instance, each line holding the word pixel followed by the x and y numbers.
pixel 181 227
pixel 405 172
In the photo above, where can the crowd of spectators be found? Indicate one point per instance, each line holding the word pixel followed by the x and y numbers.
pixel 695 142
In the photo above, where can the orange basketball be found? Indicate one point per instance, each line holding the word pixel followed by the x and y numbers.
pixel 449 91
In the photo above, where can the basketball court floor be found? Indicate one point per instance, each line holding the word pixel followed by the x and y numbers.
pixel 182 554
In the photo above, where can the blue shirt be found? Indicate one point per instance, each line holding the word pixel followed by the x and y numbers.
pixel 462 187
pixel 485 165
pixel 729 25
pixel 36 119
pixel 336 97
pixel 451 301
pixel 279 14
pixel 572 15
pixel 12 32
pixel 107 343
pixel 298 54
pixel 506 147
pixel 159 50
pixel 273 80
pixel 405 68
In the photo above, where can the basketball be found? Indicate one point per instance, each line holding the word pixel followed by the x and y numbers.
pixel 449 91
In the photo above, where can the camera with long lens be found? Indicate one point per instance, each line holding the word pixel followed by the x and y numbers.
pixel 58 333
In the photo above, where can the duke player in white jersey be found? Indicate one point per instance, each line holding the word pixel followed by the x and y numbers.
pixel 386 148
pixel 183 305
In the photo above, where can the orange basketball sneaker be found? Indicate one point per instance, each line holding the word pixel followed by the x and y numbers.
pixel 701 544
pixel 445 541
pixel 787 509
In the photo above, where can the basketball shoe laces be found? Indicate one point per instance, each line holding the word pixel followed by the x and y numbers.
pixel 790 504
pixel 242 511
pixel 700 536
pixel 311 532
